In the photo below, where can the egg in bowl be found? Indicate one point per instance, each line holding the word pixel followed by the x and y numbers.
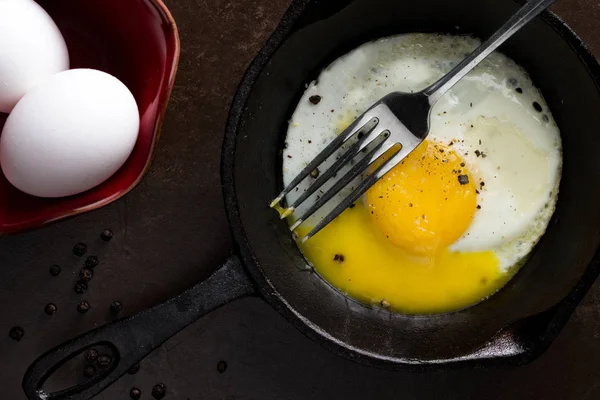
pixel 453 222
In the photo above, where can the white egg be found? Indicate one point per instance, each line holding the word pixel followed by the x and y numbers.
pixel 495 118
pixel 69 134
pixel 31 50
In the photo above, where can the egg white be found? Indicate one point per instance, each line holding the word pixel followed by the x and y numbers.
pixel 489 118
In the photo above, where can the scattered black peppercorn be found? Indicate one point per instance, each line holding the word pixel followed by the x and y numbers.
pixel 116 307
pixel 134 370
pixel 50 309
pixel 339 258
pixel 316 99
pixel 135 393
pixel 55 270
pixel 463 179
pixel 86 274
pixel 91 262
pixel 315 173
pixel 79 249
pixel 80 287
pixel 83 307
pixel 221 366
pixel 519 90
pixel 91 355
pixel 478 207
pixel 103 361
pixel 159 391
pixel 16 333
pixel 89 371
pixel 537 106
pixel 106 235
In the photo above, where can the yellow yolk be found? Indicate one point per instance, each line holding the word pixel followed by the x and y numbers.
pixel 394 250
pixel 426 202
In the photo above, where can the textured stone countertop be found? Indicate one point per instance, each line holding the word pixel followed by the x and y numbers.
pixel 171 231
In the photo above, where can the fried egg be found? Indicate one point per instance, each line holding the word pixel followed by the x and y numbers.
pixel 452 223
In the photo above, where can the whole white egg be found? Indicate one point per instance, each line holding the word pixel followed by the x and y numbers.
pixel 69 134
pixel 31 49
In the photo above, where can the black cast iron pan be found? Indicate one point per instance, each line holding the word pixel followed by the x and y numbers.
pixel 512 327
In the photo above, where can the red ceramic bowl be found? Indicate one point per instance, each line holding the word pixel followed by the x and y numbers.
pixel 134 40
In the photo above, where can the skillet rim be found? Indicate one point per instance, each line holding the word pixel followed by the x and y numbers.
pixel 561 310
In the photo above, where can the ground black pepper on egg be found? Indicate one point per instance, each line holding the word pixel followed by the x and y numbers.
pixel 463 179
pixel 316 99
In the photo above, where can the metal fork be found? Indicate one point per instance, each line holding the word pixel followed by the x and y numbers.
pixel 400 121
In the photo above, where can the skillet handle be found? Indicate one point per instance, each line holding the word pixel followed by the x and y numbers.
pixel 133 338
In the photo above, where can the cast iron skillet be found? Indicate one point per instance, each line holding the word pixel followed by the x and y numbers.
pixel 512 327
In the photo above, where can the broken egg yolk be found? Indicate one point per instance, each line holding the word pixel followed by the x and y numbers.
pixel 394 248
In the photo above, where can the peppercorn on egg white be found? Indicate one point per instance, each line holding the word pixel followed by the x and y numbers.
pixel 451 224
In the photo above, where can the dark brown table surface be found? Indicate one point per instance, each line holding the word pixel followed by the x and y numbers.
pixel 171 231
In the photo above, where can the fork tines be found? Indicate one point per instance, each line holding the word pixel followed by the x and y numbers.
pixel 367 138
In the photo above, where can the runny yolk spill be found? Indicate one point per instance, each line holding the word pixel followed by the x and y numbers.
pixel 393 248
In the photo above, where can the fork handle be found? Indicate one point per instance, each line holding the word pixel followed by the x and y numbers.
pixel 529 11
